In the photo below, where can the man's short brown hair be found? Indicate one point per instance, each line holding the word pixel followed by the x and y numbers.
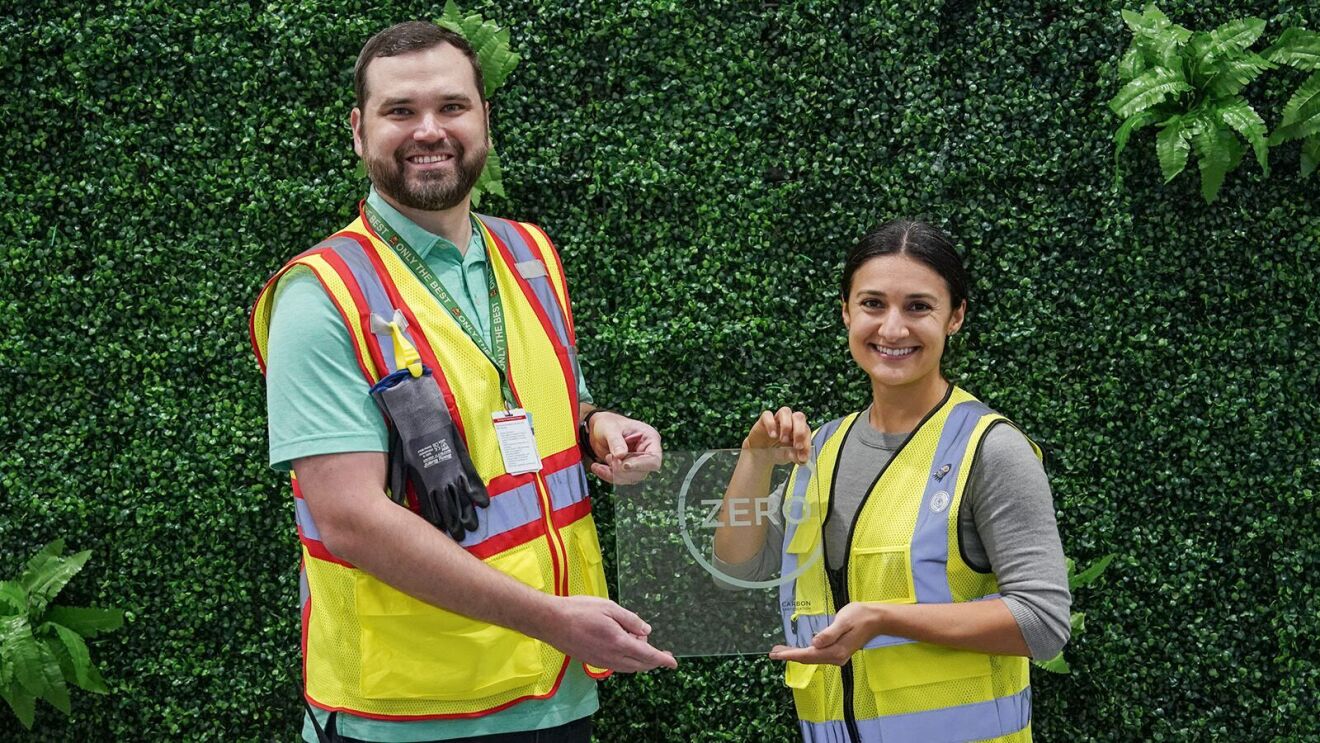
pixel 411 36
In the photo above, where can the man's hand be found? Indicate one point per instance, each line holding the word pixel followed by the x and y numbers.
pixel 601 633
pixel 626 450
pixel 852 628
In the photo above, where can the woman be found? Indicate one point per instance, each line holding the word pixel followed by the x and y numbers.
pixel 942 569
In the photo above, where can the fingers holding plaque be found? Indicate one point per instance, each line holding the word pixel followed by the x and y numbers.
pixel 709 555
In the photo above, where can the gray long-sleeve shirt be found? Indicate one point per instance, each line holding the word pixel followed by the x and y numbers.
pixel 1005 524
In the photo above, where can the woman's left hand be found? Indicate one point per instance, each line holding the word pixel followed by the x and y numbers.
pixel 852 628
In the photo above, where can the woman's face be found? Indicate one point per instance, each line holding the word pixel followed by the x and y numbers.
pixel 898 314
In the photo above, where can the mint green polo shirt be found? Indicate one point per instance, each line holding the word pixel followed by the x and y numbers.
pixel 317 402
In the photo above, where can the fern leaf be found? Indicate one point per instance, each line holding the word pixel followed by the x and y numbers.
pixel 47 576
pixel 1134 123
pixel 87 622
pixel 1216 150
pixel 1131 65
pixel 1301 115
pixel 1158 38
pixel 1054 665
pixel 1310 155
pixel 1298 48
pixel 80 659
pixel 1172 147
pixel 1148 90
pixel 13 599
pixel 1243 119
pixel 23 704
pixel 1088 576
pixel 1233 37
pixel 491 179
pixel 19 647
pixel 1235 74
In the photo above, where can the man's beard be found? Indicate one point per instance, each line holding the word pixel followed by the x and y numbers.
pixel 428 191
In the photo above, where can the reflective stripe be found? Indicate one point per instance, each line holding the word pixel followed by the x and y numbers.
pixel 567 486
pixel 520 506
pixel 506 512
pixel 834 731
pixel 303 515
pixel 540 285
pixel 304 591
pixel 967 722
pixel 797 504
pixel 378 302
pixel 930 538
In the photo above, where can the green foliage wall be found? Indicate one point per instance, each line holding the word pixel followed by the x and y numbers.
pixel 702 168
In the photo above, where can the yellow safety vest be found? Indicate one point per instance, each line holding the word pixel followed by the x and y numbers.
pixel 903 549
pixel 375 651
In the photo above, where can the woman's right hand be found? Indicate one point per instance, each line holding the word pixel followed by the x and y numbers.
pixel 781 437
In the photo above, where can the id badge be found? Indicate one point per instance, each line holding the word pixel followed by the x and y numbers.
pixel 513 430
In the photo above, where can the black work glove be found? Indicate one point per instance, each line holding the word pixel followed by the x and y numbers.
pixel 427 454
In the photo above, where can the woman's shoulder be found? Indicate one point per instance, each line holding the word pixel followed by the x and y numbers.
pixel 1006 444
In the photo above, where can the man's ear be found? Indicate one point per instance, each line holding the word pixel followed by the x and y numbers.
pixel 355 123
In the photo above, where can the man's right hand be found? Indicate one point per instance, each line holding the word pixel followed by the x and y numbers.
pixel 603 634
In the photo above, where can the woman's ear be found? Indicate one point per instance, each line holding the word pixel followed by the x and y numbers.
pixel 956 319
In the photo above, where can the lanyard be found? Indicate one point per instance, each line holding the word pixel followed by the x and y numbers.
pixel 497 351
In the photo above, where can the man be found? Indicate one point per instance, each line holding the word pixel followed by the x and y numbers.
pixel 408 634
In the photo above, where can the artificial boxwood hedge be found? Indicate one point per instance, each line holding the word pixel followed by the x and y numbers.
pixel 702 167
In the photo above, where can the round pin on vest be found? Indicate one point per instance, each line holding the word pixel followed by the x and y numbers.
pixel 939 501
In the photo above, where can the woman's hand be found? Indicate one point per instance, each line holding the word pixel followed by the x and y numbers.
pixel 853 627
pixel 779 438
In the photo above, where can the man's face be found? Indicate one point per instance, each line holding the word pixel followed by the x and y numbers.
pixel 422 131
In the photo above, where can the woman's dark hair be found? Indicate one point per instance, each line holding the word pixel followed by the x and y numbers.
pixel 916 240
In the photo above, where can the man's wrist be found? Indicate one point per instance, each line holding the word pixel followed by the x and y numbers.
pixel 584 434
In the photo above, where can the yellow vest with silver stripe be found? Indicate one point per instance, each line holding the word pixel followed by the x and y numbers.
pixel 375 651
pixel 903 548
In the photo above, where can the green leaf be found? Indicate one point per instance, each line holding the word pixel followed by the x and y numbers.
pixel 80 659
pixel 1235 74
pixel 13 599
pixel 1054 665
pixel 1217 151
pixel 19 648
pixel 1227 41
pixel 1156 36
pixel 1131 65
pixel 1310 155
pixel 1243 119
pixel 1172 147
pixel 1148 90
pixel 1298 48
pixel 1089 575
pixel 1077 621
pixel 1139 121
pixel 23 704
pixel 490 180
pixel 1301 114
pixel 47 573
pixel 87 622
pixel 488 40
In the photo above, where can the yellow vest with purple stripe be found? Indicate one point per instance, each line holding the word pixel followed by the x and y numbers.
pixel 903 548
pixel 374 651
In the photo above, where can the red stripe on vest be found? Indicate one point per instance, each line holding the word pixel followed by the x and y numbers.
pixel 561 353
pixel 319 551
pixel 419 338
pixel 460 715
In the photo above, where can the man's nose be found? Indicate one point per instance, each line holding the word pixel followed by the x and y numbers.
pixel 429 129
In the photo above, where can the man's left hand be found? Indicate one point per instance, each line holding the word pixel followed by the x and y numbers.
pixel 626 450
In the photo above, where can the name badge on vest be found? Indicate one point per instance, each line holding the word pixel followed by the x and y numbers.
pixel 513 430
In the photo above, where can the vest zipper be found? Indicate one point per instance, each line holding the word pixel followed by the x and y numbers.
pixel 840 594
pixel 839 578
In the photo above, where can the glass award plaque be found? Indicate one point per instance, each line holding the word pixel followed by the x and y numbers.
pixel 665 530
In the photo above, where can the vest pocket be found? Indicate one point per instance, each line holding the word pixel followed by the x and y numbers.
pixel 882 574
pixel 412 650
pixel 920 664
pixel 589 559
